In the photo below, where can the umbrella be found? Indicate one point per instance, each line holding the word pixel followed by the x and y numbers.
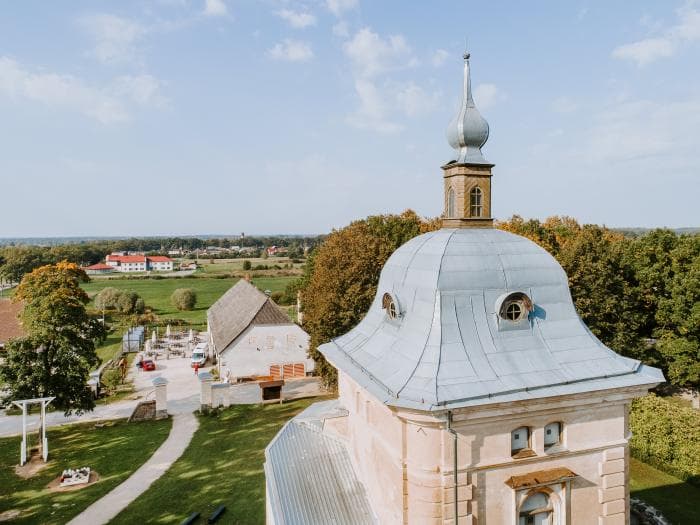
pixel 191 336
pixel 167 331
pixel 154 337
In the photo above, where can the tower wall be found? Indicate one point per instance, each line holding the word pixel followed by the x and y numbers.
pixel 462 178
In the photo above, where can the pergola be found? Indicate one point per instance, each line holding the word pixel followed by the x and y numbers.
pixel 22 403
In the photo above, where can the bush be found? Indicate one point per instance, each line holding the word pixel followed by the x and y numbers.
pixel 125 301
pixel 247 265
pixel 666 435
pixel 184 298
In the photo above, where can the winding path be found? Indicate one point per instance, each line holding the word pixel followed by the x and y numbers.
pixel 107 507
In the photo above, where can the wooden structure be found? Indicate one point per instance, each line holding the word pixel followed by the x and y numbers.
pixel 44 401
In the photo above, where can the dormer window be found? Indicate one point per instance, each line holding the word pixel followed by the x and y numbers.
pixel 390 306
pixel 514 307
pixel 475 205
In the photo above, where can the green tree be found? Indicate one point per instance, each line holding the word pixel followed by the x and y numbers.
pixel 341 277
pixel 57 353
pixel 184 298
pixel 20 260
pixel 247 265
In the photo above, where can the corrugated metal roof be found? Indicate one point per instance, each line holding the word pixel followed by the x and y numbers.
pixel 309 475
pixel 242 305
pixel 450 348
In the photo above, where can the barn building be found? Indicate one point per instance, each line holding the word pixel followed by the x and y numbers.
pixel 252 336
pixel 471 392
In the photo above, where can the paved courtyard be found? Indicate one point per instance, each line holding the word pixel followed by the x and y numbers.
pixel 183 396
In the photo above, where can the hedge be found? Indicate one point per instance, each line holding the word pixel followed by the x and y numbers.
pixel 667 436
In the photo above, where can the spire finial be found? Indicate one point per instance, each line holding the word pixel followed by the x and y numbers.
pixel 468 131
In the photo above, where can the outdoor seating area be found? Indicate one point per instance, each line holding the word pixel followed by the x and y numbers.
pixel 173 343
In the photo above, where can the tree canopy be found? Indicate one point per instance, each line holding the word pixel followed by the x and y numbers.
pixel 55 356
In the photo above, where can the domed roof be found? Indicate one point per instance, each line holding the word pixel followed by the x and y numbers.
pixel 468 131
pixel 448 344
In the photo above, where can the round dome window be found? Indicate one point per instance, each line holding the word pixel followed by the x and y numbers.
pixel 515 307
pixel 390 305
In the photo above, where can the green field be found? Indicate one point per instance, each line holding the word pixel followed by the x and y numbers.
pixel 114 451
pixel 223 266
pixel 156 292
pixel 678 501
pixel 222 465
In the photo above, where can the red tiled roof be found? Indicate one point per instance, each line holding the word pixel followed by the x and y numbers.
pixel 10 325
pixel 99 266
pixel 127 258
pixel 159 258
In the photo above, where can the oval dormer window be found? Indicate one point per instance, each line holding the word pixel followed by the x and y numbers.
pixel 390 306
pixel 515 307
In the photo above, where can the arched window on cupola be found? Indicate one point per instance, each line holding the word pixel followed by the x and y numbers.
pixel 451 202
pixel 475 202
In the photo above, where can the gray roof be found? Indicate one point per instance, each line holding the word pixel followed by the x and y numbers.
pixel 309 475
pixel 468 131
pixel 241 306
pixel 449 347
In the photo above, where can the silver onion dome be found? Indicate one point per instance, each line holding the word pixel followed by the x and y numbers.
pixel 468 131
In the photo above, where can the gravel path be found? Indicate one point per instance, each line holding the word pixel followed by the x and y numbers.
pixel 107 507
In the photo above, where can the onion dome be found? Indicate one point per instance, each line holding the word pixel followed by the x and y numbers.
pixel 468 131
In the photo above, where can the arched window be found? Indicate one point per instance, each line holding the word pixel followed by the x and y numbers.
pixel 389 304
pixel 519 440
pixel 535 510
pixel 552 434
pixel 475 202
pixel 451 202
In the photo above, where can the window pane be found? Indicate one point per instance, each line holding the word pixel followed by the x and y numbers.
pixel 551 434
pixel 519 439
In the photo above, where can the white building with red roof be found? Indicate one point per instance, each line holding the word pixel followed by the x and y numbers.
pixel 139 263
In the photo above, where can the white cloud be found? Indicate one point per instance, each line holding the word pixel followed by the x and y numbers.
pixel 373 110
pixel 413 100
pixel 291 51
pixel 215 8
pixel 108 104
pixel 372 55
pixel 115 37
pixel 564 105
pixel 338 7
pixel 341 29
pixel 648 50
pixel 439 57
pixel 298 20
pixel 487 95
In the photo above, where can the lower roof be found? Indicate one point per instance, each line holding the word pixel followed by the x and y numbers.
pixel 310 478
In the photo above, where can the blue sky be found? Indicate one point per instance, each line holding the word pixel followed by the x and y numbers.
pixel 270 116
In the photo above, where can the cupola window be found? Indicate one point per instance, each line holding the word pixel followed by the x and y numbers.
pixel 451 203
pixel 475 202
pixel 514 311
pixel 390 306
pixel 552 434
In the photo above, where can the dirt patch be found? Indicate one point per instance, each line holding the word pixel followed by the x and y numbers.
pixel 55 485
pixel 31 467
pixel 9 515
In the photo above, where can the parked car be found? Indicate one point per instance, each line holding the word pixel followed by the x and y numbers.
pixel 148 365
pixel 199 358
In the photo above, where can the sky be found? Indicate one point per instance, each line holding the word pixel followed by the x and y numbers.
pixel 184 117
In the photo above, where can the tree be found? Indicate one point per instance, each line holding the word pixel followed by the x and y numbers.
pixel 184 298
pixel 247 265
pixel 55 356
pixel 341 277
pixel 124 301
pixel 20 260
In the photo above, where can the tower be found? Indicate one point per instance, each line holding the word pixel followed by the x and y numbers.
pixel 468 177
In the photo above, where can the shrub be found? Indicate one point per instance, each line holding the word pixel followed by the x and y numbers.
pixel 666 435
pixel 125 301
pixel 139 306
pixel 247 265
pixel 184 298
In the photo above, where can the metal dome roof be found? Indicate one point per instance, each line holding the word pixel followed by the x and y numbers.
pixel 449 348
pixel 468 131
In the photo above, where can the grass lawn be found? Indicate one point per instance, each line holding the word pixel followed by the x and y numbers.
pixel 678 501
pixel 156 292
pixel 222 465
pixel 219 266
pixel 115 451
